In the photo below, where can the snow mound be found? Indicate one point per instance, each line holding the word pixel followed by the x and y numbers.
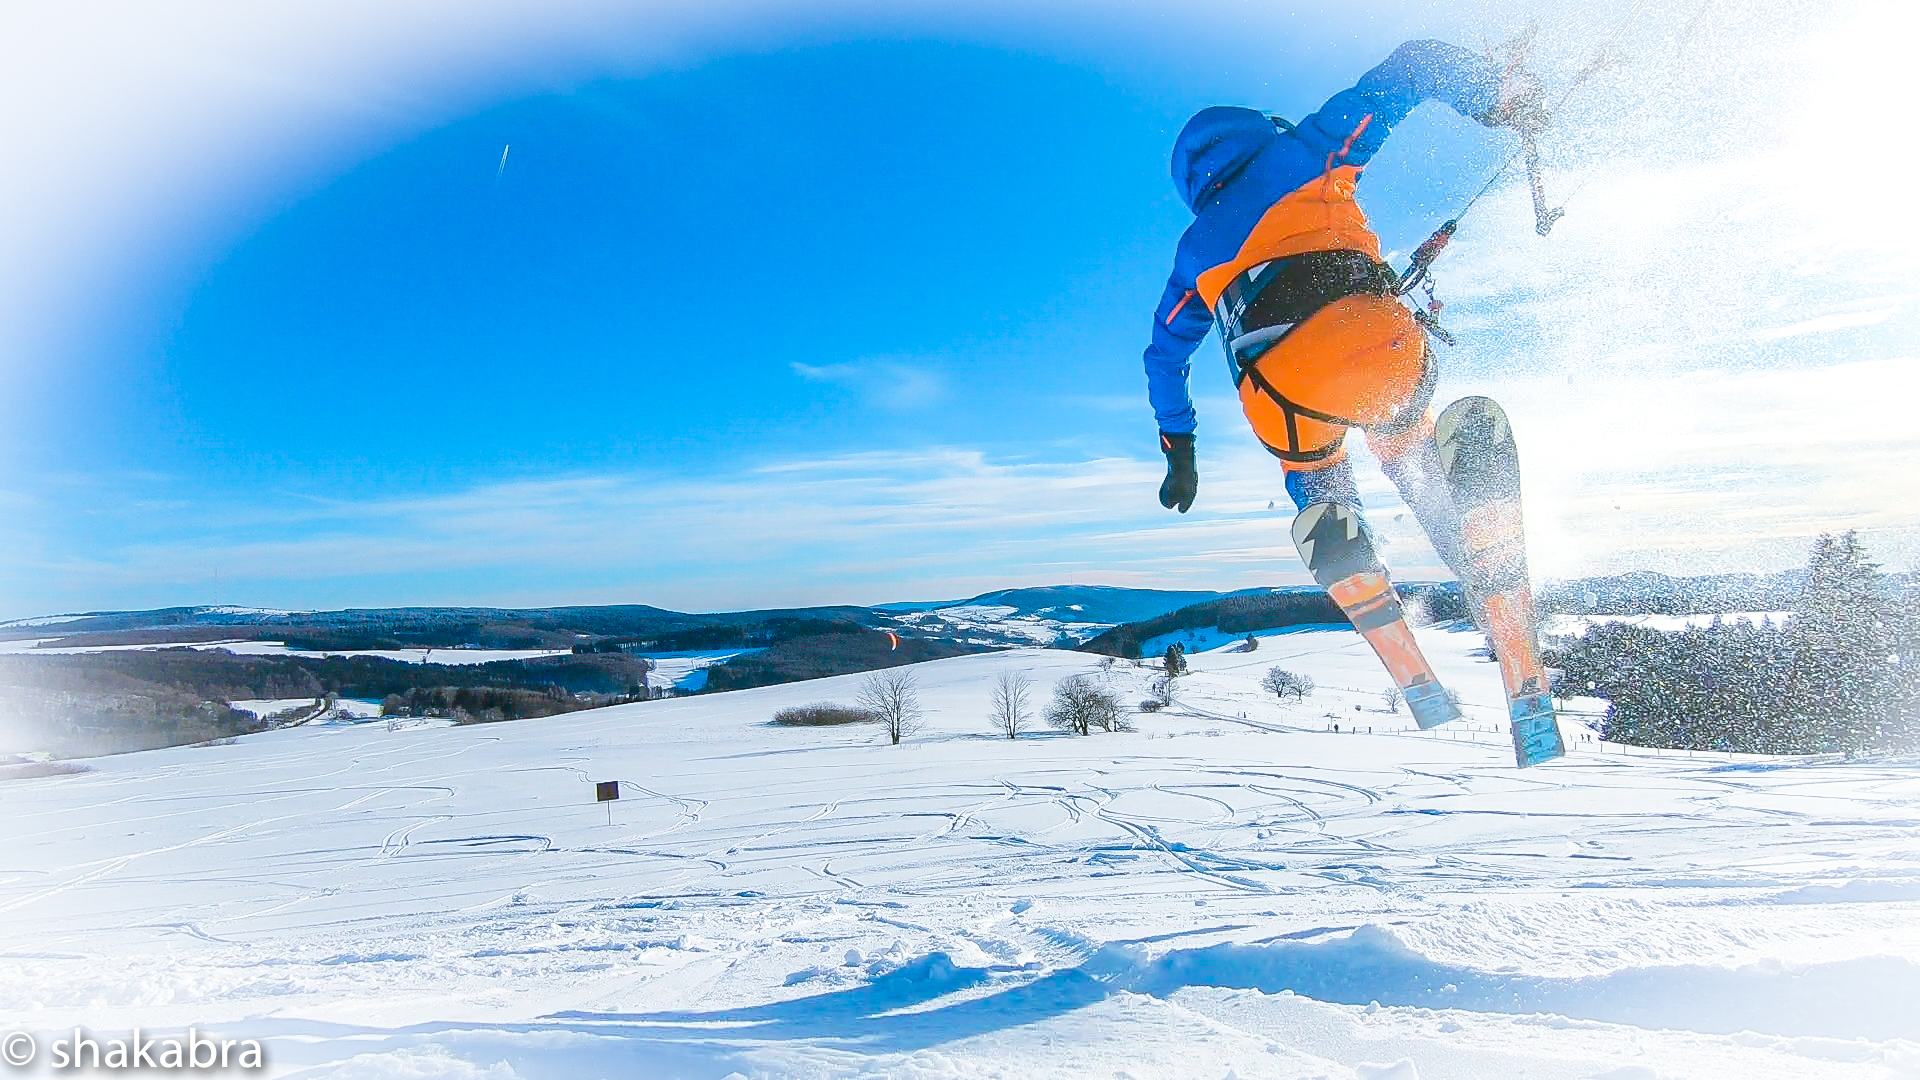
pixel 1865 998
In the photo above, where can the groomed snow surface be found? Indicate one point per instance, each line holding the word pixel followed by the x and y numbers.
pixel 1211 896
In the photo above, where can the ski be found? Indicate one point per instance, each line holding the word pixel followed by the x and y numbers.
pixel 1334 544
pixel 1482 468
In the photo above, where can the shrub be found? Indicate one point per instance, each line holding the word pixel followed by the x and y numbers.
pixel 821 714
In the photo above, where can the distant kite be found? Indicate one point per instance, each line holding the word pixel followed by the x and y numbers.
pixel 894 640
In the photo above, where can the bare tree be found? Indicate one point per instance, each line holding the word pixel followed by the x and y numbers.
pixel 1080 705
pixel 891 698
pixel 1392 697
pixel 1009 707
pixel 1285 684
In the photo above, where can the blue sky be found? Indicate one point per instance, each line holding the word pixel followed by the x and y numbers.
pixel 802 304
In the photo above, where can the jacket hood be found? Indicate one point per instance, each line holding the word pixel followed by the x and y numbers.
pixel 1215 145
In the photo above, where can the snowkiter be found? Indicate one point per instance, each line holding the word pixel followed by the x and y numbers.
pixel 1281 262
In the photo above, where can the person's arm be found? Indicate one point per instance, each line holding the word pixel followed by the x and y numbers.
pixel 1179 324
pixel 1359 118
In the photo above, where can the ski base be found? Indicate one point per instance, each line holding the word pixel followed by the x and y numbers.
pixel 1482 467
pixel 1536 734
pixel 1430 705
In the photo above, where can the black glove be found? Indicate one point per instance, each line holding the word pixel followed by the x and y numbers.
pixel 1177 490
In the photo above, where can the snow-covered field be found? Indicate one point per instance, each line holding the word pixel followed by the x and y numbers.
pixel 994 623
pixel 268 707
pixel 686 672
pixel 1231 891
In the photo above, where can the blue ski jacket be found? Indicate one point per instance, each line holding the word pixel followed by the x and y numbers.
pixel 1259 191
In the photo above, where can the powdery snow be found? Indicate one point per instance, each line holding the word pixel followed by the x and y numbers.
pixel 1232 890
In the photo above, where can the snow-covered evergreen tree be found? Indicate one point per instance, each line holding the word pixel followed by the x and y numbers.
pixel 1838 691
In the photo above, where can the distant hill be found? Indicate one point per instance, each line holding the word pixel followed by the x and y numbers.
pixel 1267 609
pixel 412 627
pixel 1047 615
pixel 1109 604
pixel 1636 593
pixel 1062 615
pixel 107 700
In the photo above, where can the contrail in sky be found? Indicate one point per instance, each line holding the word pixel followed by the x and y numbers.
pixel 503 163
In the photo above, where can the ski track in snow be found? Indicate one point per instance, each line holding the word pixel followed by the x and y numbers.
pixel 1231 890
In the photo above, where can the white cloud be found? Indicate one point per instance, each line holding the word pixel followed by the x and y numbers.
pixel 895 384
pixel 1716 470
pixel 1691 473
pixel 878 526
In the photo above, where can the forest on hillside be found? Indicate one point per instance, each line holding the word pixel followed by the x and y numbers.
pixel 1837 675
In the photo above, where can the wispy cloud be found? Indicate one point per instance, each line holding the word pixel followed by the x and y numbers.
pixel 875 526
pixel 889 383
pixel 1702 472
pixel 1716 470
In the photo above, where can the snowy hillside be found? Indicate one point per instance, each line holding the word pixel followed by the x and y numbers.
pixel 1057 615
pixel 1234 890
pixel 1060 614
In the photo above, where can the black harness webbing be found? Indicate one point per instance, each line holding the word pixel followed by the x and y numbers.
pixel 1279 295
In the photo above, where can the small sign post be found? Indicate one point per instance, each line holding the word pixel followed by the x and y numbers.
pixel 607 791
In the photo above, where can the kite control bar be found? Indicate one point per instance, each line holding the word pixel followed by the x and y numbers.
pixel 1424 255
pixel 1544 216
